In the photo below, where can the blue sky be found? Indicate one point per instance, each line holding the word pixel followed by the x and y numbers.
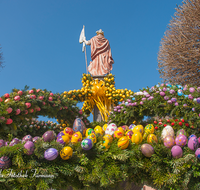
pixel 40 41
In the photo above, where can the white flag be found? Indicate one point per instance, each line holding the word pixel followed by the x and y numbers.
pixel 82 38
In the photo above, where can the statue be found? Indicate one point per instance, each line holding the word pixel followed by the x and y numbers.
pixel 101 56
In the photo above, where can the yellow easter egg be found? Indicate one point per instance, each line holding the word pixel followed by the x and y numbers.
pixel 119 133
pixel 129 133
pixel 68 131
pixel 138 128
pixel 66 138
pixel 149 128
pixel 123 142
pixel 66 153
pixel 76 137
pixel 89 131
pixel 125 128
pixel 98 130
pixel 105 127
pixel 152 138
pixel 92 136
pixel 136 138
pixel 106 144
pixel 108 137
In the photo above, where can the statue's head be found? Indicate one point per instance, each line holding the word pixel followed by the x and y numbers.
pixel 100 31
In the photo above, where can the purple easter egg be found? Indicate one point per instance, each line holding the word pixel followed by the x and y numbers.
pixel 5 162
pixel 35 139
pixel 51 154
pixel 131 126
pixel 197 153
pixel 79 126
pixel 198 100
pixel 29 145
pixel 86 144
pixel 181 140
pixel 169 141
pixel 147 150
pixel 176 151
pixel 6 143
pixel 26 138
pixel 199 141
pixel 14 142
pixel 49 136
pixel 2 142
pixel 193 143
pixel 191 136
pixel 60 140
pixel 60 134
pixel 181 132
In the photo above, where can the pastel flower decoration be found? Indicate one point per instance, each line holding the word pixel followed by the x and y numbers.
pixel 6 95
pixel 28 105
pixel 41 97
pixel 20 92
pixel 191 89
pixel 17 98
pixel 31 92
pixel 51 94
pixel 162 93
pixel 50 99
pixel 9 121
pixel 18 111
pixel 9 110
pixel 37 90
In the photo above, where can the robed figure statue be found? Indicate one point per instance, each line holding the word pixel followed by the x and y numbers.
pixel 101 56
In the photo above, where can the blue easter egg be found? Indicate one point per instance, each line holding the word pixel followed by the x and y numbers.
pixel 51 154
pixel 86 144
pixel 5 162
pixel 79 126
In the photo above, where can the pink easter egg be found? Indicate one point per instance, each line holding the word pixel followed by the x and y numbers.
pixel 197 153
pixel 193 143
pixel 191 89
pixel 176 151
pixel 181 140
pixel 29 145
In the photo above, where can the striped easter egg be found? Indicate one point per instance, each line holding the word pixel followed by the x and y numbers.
pixel 136 138
pixel 123 142
pixel 5 162
pixel 51 154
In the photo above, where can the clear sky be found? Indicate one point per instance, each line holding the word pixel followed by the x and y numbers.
pixel 40 41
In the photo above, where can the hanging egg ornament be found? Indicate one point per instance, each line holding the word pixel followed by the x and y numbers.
pixel 92 136
pixel 197 153
pixel 86 144
pixel 66 153
pixel 123 142
pixel 129 133
pixel 106 144
pixel 169 141
pixel 29 145
pixel 152 138
pixel 136 138
pixel 50 154
pixel 68 131
pixel 5 162
pixel 79 126
pixel 111 129
pixel 108 137
pixel 167 131
pixel 98 130
pixel 119 133
pixel 105 127
pixel 76 137
pixel 181 132
pixel 138 128
pixel 48 136
pixel 176 151
pixel 181 140
pixel 89 131
pixel 193 143
pixel 147 150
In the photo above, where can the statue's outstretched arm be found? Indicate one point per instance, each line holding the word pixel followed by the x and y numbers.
pixel 87 42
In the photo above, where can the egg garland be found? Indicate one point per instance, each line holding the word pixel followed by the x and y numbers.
pixel 51 154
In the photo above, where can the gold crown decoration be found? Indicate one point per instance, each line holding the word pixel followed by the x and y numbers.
pixel 100 31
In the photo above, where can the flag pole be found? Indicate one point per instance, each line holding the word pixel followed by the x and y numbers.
pixel 86 60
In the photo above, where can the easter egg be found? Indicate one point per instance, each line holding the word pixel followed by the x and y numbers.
pixel 106 144
pixel 86 144
pixel 123 142
pixel 138 128
pixel 191 136
pixel 105 127
pixel 167 131
pixel 176 151
pixel 119 132
pixel 50 154
pixel 68 131
pixel 152 138
pixel 129 133
pixel 125 127
pixel 60 140
pixel 149 128
pixel 92 136
pixel 197 153
pixel 181 140
pixel 79 126
pixel 181 132
pixel 193 143
pixel 35 139
pixel 48 136
pixel 169 141
pixel 147 150
pixel 108 137
pixel 2 143
pixel 131 126
pixel 76 137
pixel 111 129
pixel 29 145
pixel 66 138
pixel 14 142
pixel 5 162
pixel 66 153
pixel 136 138
pixel 89 131
pixel 98 130
pixel 27 138
pixel 60 134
